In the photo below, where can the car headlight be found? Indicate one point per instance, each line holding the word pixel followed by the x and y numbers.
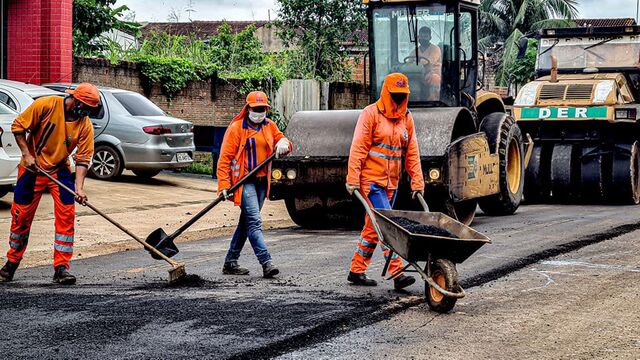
pixel 527 95
pixel 434 174
pixel 276 174
pixel 291 174
pixel 603 89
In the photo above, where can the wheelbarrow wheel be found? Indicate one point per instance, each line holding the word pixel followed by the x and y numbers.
pixel 444 273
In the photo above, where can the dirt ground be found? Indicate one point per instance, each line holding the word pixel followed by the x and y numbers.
pixel 166 201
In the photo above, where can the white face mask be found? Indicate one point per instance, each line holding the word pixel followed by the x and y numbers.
pixel 257 117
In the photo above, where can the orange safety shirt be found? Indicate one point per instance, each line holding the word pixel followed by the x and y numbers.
pixel 383 138
pixel 243 149
pixel 50 138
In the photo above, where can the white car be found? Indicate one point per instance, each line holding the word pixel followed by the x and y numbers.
pixel 10 154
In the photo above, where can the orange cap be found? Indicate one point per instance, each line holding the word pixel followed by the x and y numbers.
pixel 397 83
pixel 86 93
pixel 257 98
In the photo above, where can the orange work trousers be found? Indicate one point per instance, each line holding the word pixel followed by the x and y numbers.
pixel 378 198
pixel 27 194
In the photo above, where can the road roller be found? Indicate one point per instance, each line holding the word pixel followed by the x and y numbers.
pixel 472 153
pixel 582 113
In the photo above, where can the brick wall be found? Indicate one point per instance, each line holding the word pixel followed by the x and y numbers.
pixel 346 96
pixel 39 40
pixel 360 68
pixel 206 103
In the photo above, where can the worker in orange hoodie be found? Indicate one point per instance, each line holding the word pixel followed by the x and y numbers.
pixel 249 140
pixel 384 140
pixel 47 132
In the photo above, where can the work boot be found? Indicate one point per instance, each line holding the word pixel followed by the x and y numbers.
pixel 269 271
pixel 63 277
pixel 361 279
pixel 7 271
pixel 403 281
pixel 229 269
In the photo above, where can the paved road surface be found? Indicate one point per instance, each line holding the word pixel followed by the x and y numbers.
pixel 122 307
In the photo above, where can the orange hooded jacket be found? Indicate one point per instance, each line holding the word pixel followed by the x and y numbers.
pixel 232 164
pixel 383 138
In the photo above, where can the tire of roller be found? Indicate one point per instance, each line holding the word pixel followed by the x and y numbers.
pixel 501 131
pixel 592 174
pixel 565 173
pixel 625 187
pixel 537 177
pixel 323 217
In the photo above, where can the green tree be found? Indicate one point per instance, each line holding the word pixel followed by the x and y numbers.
pixel 91 18
pixel 523 70
pixel 509 20
pixel 316 31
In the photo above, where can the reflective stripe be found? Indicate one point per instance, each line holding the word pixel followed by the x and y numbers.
pixel 64 238
pixel 385 146
pixel 20 237
pixel 383 156
pixel 367 244
pixel 17 246
pixel 236 174
pixel 365 254
pixel 62 248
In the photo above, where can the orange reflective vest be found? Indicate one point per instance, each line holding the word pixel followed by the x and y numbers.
pixel 235 155
pixel 380 146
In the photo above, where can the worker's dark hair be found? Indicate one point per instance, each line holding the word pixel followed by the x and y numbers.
pixel 423 29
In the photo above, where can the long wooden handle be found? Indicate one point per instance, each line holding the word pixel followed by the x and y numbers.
pixel 109 219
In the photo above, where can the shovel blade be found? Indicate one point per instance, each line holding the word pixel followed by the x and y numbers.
pixel 161 241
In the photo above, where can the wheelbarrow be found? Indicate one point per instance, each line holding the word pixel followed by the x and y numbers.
pixel 439 253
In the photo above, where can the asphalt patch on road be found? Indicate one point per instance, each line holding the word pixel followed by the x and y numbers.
pixel 422 229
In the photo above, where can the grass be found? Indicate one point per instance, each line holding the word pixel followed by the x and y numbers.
pixel 200 165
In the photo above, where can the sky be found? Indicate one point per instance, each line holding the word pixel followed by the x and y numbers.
pixel 159 10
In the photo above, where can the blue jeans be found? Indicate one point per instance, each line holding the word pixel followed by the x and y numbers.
pixel 250 224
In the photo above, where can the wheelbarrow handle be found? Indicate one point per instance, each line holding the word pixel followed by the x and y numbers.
pixel 107 217
pixel 369 211
pixel 220 198
pixel 423 202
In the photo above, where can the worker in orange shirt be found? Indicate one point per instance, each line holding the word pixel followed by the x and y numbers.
pixel 249 140
pixel 384 140
pixel 430 56
pixel 47 133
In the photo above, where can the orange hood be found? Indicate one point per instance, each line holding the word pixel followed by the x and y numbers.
pixel 394 83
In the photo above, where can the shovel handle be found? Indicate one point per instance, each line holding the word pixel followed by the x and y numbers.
pixel 220 198
pixel 109 219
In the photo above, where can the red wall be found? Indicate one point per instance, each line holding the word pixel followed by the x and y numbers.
pixel 39 40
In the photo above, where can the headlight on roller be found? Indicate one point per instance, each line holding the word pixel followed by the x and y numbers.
pixel 276 174
pixel 291 174
pixel 434 174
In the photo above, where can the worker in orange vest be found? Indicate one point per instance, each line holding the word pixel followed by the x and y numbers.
pixel 249 140
pixel 384 140
pixel 47 132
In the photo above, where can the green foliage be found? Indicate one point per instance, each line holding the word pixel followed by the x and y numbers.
pixel 203 167
pixel 508 20
pixel 523 70
pixel 91 18
pixel 317 29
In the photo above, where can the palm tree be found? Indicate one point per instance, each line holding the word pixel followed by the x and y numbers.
pixel 508 20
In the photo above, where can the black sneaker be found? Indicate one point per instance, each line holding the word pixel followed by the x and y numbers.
pixel 269 271
pixel 403 281
pixel 228 269
pixel 361 279
pixel 7 271
pixel 63 277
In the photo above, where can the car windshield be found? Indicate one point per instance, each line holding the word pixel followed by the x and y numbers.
pixel 137 105
pixel 415 41
pixel 590 52
pixel 5 110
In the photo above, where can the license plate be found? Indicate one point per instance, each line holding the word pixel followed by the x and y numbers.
pixel 183 157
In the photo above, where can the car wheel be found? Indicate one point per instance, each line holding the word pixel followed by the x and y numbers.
pixel 107 163
pixel 4 190
pixel 147 174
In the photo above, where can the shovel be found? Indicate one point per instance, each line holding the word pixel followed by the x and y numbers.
pixel 178 270
pixel 163 243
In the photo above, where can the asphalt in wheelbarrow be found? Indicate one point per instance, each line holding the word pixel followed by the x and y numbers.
pixel 415 227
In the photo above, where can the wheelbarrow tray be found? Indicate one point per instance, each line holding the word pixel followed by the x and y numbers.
pixel 417 247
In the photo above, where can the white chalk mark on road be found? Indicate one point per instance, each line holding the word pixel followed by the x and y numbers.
pixel 627 268
pixel 547 276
